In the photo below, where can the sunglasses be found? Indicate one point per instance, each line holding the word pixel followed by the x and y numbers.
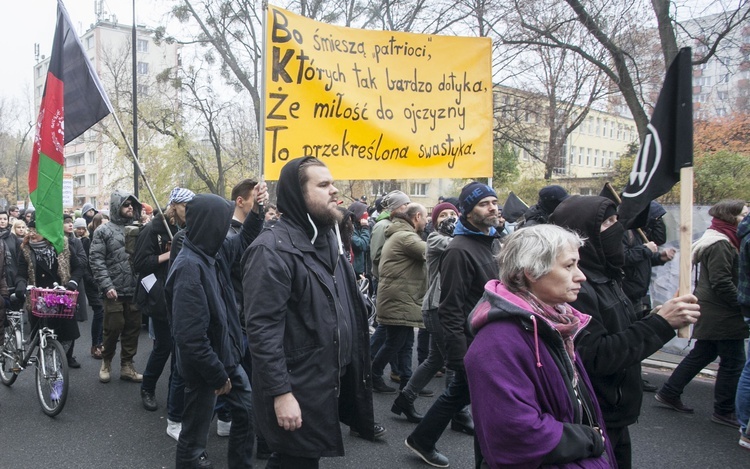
pixel 127 203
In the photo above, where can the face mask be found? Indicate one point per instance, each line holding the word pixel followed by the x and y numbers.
pixel 611 239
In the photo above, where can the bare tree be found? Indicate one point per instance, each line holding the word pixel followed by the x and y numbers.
pixel 621 37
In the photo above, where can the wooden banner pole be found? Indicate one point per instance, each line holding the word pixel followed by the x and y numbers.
pixel 686 237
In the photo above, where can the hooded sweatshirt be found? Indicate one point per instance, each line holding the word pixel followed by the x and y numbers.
pixel 615 342
pixel 109 261
pixel 205 321
pixel 528 410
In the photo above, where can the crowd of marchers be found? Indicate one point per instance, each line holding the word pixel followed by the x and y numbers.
pixel 281 320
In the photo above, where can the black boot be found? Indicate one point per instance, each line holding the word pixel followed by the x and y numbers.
pixel 402 405
pixel 463 422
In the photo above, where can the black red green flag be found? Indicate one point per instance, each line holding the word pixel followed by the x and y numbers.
pixel 668 145
pixel 73 101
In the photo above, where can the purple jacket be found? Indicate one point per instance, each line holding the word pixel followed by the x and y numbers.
pixel 526 410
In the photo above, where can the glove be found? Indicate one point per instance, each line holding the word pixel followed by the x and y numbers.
pixel 447 226
pixel 72 285
pixel 20 294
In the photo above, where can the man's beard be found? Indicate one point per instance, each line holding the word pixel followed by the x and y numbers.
pixel 323 215
pixel 486 222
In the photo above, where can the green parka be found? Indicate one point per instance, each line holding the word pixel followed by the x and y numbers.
pixel 403 276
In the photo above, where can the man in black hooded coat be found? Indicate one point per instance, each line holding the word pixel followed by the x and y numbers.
pixel 616 341
pixel 206 329
pixel 306 325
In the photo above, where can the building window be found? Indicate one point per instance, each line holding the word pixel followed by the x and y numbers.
pixel 39 72
pixel 92 157
pixel 721 112
pixel 142 68
pixel 92 179
pixel 89 42
pixel 588 157
pixel 142 45
pixel 598 125
pixel 79 181
pixel 586 191
pixel 143 90
pixel 572 155
pixel 596 157
pixel 93 201
pixel 39 91
pixel 722 95
pixel 419 189
pixel 74 160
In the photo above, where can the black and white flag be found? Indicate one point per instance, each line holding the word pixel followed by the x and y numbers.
pixel 668 145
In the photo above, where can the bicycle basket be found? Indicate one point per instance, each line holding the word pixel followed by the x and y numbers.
pixel 51 303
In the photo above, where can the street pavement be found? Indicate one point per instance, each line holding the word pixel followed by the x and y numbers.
pixel 105 426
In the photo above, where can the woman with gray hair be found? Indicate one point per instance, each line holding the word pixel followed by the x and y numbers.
pixel 532 401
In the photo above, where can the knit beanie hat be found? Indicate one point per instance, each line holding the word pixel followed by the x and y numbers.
pixel 79 223
pixel 394 200
pixel 440 207
pixel 471 194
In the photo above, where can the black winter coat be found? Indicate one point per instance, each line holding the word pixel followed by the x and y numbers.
pixel 204 316
pixel 467 264
pixel 153 240
pixel 292 304
pixel 613 345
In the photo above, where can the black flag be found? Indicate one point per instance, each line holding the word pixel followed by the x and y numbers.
pixel 513 208
pixel 668 145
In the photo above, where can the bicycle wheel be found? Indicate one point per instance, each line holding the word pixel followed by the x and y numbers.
pixel 52 377
pixel 7 364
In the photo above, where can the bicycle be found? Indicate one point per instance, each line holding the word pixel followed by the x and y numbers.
pixel 42 350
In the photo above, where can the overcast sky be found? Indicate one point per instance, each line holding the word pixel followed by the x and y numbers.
pixel 24 23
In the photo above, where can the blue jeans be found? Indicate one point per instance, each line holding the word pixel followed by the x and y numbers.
pixel 732 354
pixel 199 409
pixel 435 358
pixel 399 342
pixel 376 342
pixel 742 401
pixel 454 398
pixel 159 354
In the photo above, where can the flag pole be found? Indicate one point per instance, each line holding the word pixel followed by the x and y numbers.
pixel 619 201
pixel 137 163
pixel 686 237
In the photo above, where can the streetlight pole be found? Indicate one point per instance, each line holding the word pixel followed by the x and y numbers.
pixel 135 104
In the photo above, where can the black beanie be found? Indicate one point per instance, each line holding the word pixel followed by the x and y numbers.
pixel 471 194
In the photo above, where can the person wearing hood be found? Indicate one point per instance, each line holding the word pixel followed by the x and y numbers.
pixel 616 340
pixel 207 332
pixel 466 266
pixel 402 285
pixel 306 325
pixel 524 327
pixel 87 212
pixel 721 330
pixel 742 401
pixel 538 214
pixel 113 272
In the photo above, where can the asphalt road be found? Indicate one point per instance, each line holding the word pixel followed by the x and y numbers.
pixel 105 426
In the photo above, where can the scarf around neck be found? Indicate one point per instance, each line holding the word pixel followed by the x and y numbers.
pixel 44 252
pixel 727 229
pixel 561 318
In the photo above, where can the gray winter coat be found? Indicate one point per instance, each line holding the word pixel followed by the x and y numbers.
pixel 110 263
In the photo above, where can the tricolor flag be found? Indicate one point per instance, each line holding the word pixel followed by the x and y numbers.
pixel 73 101
pixel 668 146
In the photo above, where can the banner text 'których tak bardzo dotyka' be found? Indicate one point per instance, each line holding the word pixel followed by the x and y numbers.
pixel 376 104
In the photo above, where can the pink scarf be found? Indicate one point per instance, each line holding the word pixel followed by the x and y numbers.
pixel 560 317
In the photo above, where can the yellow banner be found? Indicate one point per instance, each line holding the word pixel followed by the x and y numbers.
pixel 376 104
